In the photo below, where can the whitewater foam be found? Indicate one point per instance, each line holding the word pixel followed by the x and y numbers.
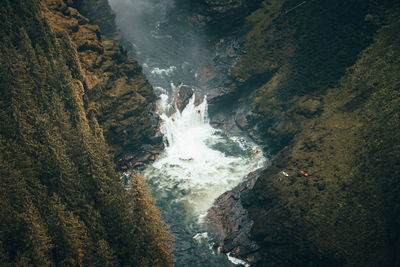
pixel 163 72
pixel 237 261
pixel 199 162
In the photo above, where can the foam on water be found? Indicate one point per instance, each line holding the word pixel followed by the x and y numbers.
pixel 199 162
pixel 237 261
pixel 163 72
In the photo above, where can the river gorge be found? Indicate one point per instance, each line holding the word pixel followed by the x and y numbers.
pixel 199 133
pixel 199 162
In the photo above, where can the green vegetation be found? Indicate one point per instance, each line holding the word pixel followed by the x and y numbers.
pixel 295 49
pixel 329 73
pixel 116 90
pixel 62 203
pixel 122 100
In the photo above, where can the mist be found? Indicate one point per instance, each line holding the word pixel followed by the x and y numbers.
pixel 137 18
pixel 161 44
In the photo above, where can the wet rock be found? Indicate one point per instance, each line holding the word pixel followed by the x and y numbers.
pixel 226 122
pixel 229 221
pixel 140 157
pixel 181 97
pixel 242 117
pixel 237 120
pixel 215 95
pixel 184 94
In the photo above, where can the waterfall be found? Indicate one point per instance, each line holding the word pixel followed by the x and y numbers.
pixel 199 162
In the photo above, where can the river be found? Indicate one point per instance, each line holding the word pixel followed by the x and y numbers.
pixel 199 162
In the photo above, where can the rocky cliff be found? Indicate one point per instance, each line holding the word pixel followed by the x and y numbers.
pixel 116 90
pixel 65 91
pixel 321 79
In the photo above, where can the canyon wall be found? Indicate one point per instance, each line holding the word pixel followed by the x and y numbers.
pixel 317 85
pixel 68 98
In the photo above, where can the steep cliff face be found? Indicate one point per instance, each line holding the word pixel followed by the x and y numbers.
pixel 62 201
pixel 116 90
pixel 346 210
pixel 321 79
pixel 295 49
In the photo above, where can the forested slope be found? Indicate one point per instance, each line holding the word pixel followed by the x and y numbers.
pixel 324 81
pixel 62 202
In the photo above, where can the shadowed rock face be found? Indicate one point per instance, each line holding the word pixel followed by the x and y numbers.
pixel 99 13
pixel 217 16
pixel 229 221
pixel 183 97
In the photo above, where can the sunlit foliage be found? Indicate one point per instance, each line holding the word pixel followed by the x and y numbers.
pixel 62 203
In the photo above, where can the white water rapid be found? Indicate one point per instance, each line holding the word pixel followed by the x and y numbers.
pixel 199 162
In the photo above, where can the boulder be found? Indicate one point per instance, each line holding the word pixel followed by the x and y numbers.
pixel 184 94
pixel 229 221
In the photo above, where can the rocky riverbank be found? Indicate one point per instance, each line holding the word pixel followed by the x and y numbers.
pixel 229 221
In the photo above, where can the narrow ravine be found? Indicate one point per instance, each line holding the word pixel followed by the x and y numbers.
pixel 199 162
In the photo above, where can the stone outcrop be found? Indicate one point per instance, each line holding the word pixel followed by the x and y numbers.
pixel 183 96
pixel 116 90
